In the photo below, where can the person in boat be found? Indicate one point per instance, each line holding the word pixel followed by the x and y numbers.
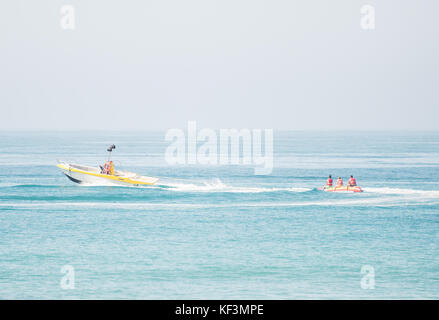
pixel 329 182
pixel 111 168
pixel 352 182
pixel 339 182
pixel 108 168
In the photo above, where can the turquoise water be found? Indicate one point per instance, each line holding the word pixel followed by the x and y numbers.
pixel 217 232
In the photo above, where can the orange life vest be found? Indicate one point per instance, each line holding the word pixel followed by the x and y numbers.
pixel 329 182
pixel 352 182
pixel 339 182
pixel 111 168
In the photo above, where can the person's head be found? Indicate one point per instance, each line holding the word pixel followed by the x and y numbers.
pixel 339 177
pixel 330 176
pixel 352 176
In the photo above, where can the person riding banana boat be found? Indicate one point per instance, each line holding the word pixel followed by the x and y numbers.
pixel 351 186
pixel 329 181
pixel 352 182
pixel 339 182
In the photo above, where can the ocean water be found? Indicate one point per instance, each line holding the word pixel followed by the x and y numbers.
pixel 221 232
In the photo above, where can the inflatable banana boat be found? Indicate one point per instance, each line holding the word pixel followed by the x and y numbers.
pixel 342 189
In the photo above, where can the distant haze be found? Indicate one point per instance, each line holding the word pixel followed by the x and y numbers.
pixel 155 64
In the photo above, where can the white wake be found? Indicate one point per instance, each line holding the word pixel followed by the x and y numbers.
pixel 218 186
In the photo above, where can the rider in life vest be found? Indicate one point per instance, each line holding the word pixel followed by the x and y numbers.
pixel 339 182
pixel 108 168
pixel 329 181
pixel 352 182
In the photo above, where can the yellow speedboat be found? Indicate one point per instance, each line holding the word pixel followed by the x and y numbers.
pixel 103 175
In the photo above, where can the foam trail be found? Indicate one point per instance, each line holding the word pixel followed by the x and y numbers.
pixel 218 186
pixel 399 191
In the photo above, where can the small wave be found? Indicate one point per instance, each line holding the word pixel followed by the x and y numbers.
pixel 371 202
pixel 11 185
pixel 400 191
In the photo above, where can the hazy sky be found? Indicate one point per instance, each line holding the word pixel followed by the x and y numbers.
pixel 155 64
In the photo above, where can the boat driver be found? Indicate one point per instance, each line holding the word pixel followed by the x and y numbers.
pixel 108 168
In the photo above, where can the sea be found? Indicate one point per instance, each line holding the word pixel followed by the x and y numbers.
pixel 221 231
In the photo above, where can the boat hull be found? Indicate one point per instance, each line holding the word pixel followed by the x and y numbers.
pixel 92 176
